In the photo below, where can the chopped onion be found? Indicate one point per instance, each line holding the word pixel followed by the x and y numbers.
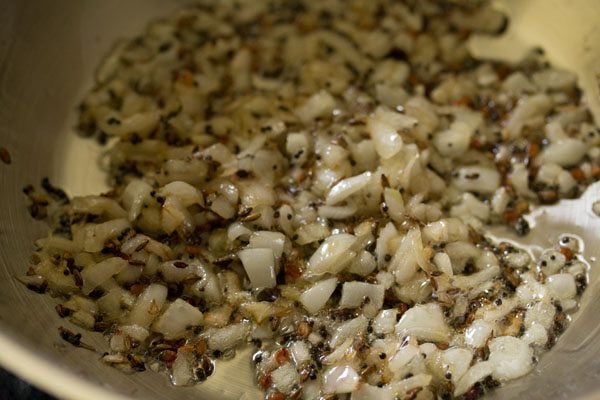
pixel 349 329
pixel 477 334
pixel 424 321
pixel 96 274
pixel 275 241
pixel 510 357
pixel 260 266
pixel 318 105
pixel 315 298
pixel 333 255
pixel 228 337
pixel 182 374
pixel 386 140
pixel 347 188
pixel 476 373
pixel 177 319
pixel 385 321
pixel 95 235
pixel 362 294
pixel 148 305
pixel 340 379
pixel 285 378
pixel 185 193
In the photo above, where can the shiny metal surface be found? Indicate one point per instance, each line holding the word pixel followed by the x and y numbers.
pixel 48 50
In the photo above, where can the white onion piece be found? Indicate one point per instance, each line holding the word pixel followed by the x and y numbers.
pixel 177 319
pixel 476 179
pixel 136 243
pixel 185 193
pixel 534 106
pixel 408 257
pixel 339 353
pixel 135 332
pixel 457 361
pixel 238 230
pixel 541 313
pixel 565 153
pixel 275 241
pixel 134 196
pixel 554 79
pixel 333 255
pixel 182 374
pixel 395 119
pixel 350 329
pixel 403 357
pixel 476 373
pixel 385 321
pixel 510 357
pixel 310 233
pixel 443 263
pixel 383 245
pixel 228 337
pixel 260 267
pixel 364 264
pixel 493 313
pixel 466 282
pixel 340 379
pixel 530 290
pixel 315 298
pixel 477 334
pixel 60 243
pixel 562 286
pixel 347 188
pixel 96 274
pixel 148 305
pixel 171 271
pixel 362 294
pixel 337 212
pixel 297 145
pixel 222 207
pixel 424 321
pixel 395 204
pixel 259 311
pixel 98 205
pixel 174 215
pixel 285 378
pixel 318 105
pixel 386 140
pixel 445 230
pixel 95 235
pixel 536 335
pixel 300 353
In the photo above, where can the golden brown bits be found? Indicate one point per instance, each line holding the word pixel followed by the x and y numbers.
pixel 186 78
pixel 578 174
pixel 5 156
pixel 201 346
pixel 168 356
pixel 276 396
pixel 137 289
pixel 568 253
pixel 264 381
pixel 303 329
pixel 282 356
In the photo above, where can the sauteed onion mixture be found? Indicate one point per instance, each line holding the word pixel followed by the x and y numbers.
pixel 315 178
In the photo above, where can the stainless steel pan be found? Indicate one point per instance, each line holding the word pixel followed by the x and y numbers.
pixel 48 50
